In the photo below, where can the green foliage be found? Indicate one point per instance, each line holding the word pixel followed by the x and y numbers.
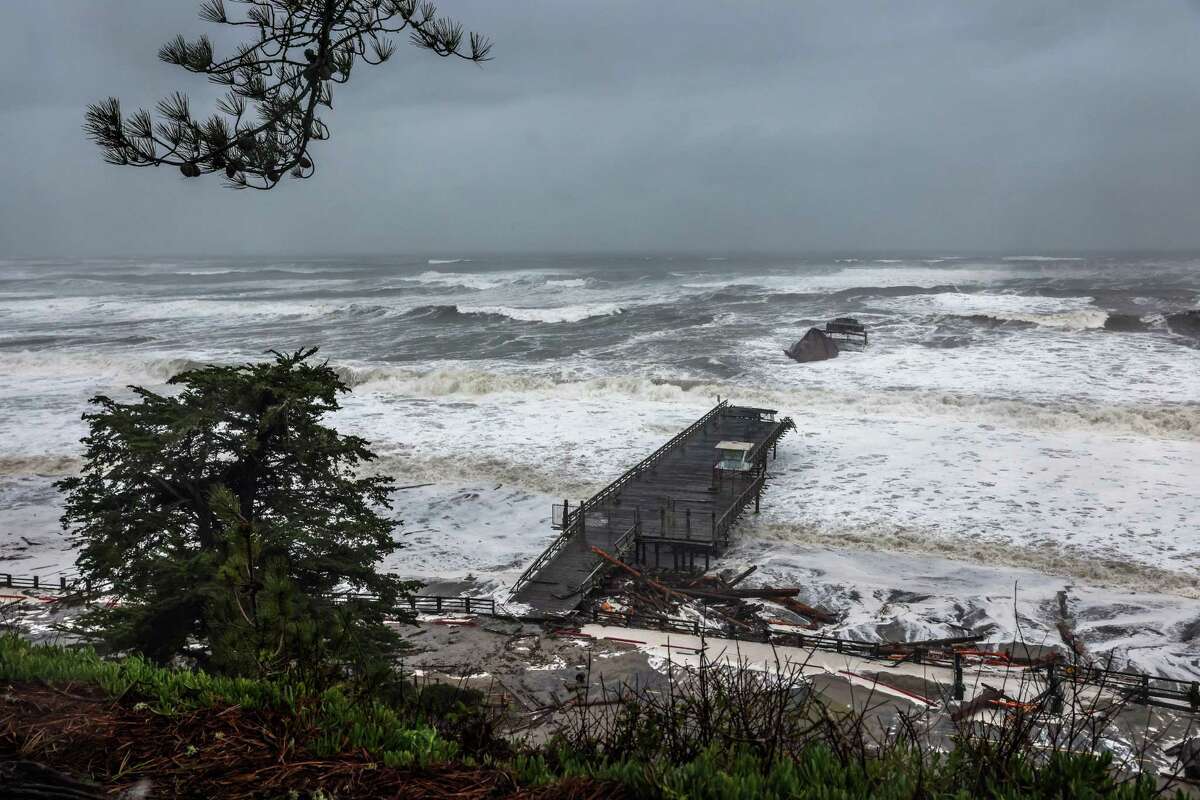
pixel 277 83
pixel 232 526
pixel 816 773
pixel 338 722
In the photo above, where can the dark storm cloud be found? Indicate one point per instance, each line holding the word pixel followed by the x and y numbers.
pixel 652 126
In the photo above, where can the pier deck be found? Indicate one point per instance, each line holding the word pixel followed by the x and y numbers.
pixel 674 509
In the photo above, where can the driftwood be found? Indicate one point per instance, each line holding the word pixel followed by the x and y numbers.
pixel 815 614
pixel 742 594
pixel 664 589
pixel 742 577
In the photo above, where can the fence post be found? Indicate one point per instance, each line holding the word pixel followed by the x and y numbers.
pixel 1056 698
pixel 35 581
pixel 566 511
pixel 438 603
pixel 62 583
pixel 1194 695
pixel 960 688
pixel 468 604
pixel 8 579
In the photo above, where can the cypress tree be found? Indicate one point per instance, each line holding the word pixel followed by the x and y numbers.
pixel 230 525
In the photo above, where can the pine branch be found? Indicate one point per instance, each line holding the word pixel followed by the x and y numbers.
pixel 298 51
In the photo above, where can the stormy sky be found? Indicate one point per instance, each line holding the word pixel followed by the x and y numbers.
pixel 664 126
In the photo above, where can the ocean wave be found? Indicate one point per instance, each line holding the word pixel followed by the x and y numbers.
pixel 467 280
pixel 97 369
pixel 1169 421
pixel 1049 559
pixel 576 313
pixel 405 466
pixel 892 291
pixel 1071 313
pixel 459 313
pixel 43 465
pixel 1082 319
pixel 568 283
pixel 1126 323
pixel 435 261
pixel 856 278
pixel 1184 323
pixel 1040 258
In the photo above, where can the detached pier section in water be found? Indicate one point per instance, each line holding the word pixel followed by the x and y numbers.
pixel 674 509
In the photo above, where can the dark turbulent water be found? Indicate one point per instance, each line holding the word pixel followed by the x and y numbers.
pixel 411 311
pixel 1022 411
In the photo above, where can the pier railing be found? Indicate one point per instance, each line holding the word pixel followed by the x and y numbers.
pixel 720 532
pixel 620 550
pixel 68 586
pixel 57 583
pixel 438 604
pixel 648 461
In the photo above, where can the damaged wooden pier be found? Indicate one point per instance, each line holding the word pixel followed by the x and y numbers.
pixel 674 509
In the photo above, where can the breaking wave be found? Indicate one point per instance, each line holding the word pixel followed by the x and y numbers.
pixel 1058 559
pixel 408 467
pixel 561 314
pixel 1069 313
pixel 1040 258
pixel 1078 320
pixel 467 280
pixel 98 369
pixel 1170 421
pixel 460 313
pixel 44 465
pixel 1184 323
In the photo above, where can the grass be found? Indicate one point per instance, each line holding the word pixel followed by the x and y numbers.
pixel 731 736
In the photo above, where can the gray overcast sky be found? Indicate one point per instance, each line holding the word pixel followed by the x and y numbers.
pixel 684 126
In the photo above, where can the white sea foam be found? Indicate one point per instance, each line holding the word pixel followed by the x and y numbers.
pixel 469 280
pixel 99 370
pixel 576 313
pixel 1040 258
pixel 857 277
pixel 1074 313
pixel 436 261
pixel 1180 421
pixel 1047 447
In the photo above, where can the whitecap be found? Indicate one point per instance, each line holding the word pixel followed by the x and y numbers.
pixel 561 314
pixel 1040 258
